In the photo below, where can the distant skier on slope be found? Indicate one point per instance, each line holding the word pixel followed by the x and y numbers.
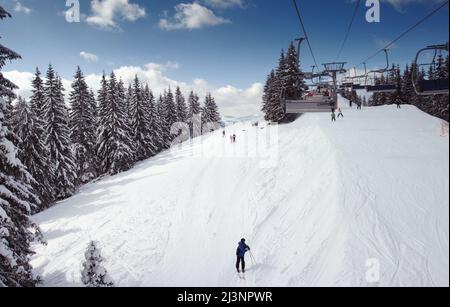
pixel 240 253
pixel 398 102
pixel 340 113
pixel 333 116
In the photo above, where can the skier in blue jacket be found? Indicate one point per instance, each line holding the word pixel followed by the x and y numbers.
pixel 240 253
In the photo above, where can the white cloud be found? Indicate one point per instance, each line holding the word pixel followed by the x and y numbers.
pixel 224 3
pixel 106 13
pixel 191 16
pixel 232 101
pixel 90 57
pixel 22 80
pixel 22 8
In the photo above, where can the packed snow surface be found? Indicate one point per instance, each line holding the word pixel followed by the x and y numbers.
pixel 360 202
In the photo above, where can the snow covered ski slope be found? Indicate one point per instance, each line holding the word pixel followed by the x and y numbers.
pixel 344 202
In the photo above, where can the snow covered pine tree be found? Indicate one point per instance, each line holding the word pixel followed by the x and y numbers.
pixel 16 194
pixel 56 116
pixel 82 128
pixel 114 144
pixel 32 151
pixel 94 274
pixel 210 115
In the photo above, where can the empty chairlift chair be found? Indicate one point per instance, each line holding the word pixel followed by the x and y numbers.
pixel 356 79
pixel 430 87
pixel 381 88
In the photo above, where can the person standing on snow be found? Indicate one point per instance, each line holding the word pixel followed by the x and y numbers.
pixel 340 113
pixel 240 253
pixel 398 102
pixel 333 116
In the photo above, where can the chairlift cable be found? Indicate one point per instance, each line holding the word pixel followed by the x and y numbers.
pixel 425 18
pixel 297 10
pixel 348 30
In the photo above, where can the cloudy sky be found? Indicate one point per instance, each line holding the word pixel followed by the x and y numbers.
pixel 226 46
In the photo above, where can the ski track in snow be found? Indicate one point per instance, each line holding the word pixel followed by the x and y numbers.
pixel 371 186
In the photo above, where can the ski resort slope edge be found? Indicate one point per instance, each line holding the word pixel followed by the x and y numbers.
pixel 360 202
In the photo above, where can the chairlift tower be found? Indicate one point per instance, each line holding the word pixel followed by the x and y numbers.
pixel 332 70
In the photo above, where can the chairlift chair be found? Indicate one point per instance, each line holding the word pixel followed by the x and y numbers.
pixel 356 80
pixel 429 87
pixel 381 88
pixel 358 87
pixel 313 104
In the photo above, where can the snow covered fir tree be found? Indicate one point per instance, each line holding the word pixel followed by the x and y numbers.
pixel 17 196
pixel 94 273
pixel 285 80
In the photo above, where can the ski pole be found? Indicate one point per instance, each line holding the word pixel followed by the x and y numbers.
pixel 253 258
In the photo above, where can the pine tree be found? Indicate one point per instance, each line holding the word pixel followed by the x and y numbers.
pixel 275 110
pixel 395 78
pixel 17 198
pixel 407 85
pixel 194 112
pixel 46 171
pixel 268 95
pixel 37 99
pixel 113 144
pixel 122 94
pixel 82 128
pixel 32 152
pixel 210 111
pixel 155 141
pixel 102 100
pixel 180 101
pixel 58 136
pixel 94 274
pixel 129 97
pixel 440 102
pixel 292 80
pixel 140 122
pixel 169 111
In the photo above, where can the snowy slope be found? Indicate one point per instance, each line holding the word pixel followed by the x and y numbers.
pixel 372 186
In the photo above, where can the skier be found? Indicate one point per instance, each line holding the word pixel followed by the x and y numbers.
pixel 398 102
pixel 340 113
pixel 359 106
pixel 351 102
pixel 224 133
pixel 240 253
pixel 333 116
pixel 234 138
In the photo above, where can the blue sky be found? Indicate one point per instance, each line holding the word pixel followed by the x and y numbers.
pixel 228 45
